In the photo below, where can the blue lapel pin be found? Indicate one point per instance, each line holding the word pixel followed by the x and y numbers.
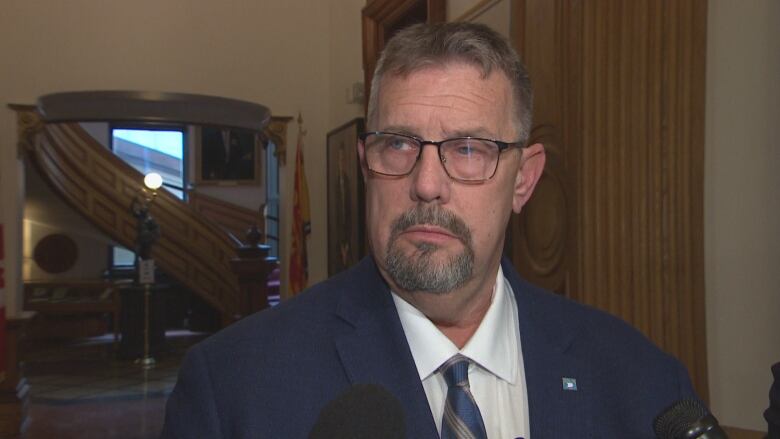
pixel 569 384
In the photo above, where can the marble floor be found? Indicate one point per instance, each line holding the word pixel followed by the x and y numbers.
pixel 78 389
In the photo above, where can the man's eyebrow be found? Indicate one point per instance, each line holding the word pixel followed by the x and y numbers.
pixel 473 132
pixel 399 129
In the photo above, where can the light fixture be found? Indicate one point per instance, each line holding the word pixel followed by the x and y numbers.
pixel 153 181
pixel 148 231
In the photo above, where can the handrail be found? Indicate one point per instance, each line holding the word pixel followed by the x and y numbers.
pixel 228 216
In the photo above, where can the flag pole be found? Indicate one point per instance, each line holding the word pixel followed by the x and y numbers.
pixel 298 270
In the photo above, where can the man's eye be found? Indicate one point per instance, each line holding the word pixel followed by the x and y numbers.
pixel 399 143
pixel 469 148
pixel 465 150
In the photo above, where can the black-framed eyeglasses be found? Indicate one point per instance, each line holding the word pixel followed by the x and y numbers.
pixel 465 159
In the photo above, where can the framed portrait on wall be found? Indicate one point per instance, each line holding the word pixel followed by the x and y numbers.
pixel 346 198
pixel 227 156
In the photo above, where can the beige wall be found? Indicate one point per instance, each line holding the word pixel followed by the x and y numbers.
pixel 742 206
pixel 346 61
pixel 291 55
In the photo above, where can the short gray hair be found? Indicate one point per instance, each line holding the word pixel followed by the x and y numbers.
pixel 425 45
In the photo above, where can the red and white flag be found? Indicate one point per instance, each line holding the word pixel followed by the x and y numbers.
pixel 301 225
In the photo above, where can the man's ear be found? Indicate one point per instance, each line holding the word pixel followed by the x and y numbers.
pixel 362 157
pixel 528 174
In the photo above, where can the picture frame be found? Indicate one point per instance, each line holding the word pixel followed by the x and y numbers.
pixel 227 156
pixel 346 197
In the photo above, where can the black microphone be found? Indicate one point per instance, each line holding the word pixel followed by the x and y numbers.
pixel 687 419
pixel 364 411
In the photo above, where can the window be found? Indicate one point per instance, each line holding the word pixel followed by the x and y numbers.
pixel 272 199
pixel 150 149
pixel 153 150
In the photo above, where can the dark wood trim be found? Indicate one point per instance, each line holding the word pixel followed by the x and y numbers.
pixel 380 17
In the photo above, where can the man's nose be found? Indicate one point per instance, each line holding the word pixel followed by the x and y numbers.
pixel 430 181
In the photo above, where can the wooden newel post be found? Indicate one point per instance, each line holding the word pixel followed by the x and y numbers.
pixel 252 267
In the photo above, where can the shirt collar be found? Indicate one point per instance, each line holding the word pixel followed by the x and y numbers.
pixel 494 346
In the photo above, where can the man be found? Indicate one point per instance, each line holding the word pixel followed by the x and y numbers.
pixel 772 413
pixel 434 315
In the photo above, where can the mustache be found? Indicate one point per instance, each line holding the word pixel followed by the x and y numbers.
pixel 435 216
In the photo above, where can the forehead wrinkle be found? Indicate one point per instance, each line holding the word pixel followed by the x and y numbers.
pixel 469 128
pixel 451 99
pixel 421 102
pixel 429 104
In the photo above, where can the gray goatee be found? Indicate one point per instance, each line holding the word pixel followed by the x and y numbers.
pixel 419 271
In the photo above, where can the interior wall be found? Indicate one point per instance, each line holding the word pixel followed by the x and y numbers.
pixel 45 214
pixel 287 54
pixel 346 63
pixel 742 205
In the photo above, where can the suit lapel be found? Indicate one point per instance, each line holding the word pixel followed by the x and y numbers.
pixel 375 351
pixel 556 408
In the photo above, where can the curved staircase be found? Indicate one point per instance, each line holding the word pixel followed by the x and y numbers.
pixel 100 186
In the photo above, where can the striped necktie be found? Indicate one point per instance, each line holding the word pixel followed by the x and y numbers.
pixel 462 419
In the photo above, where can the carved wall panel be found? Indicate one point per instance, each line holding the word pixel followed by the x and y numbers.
pixel 539 235
pixel 620 103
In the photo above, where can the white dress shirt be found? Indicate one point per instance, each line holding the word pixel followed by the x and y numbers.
pixel 497 376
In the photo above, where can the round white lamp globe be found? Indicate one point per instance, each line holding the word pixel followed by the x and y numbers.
pixel 153 180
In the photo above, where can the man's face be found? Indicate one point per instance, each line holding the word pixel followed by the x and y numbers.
pixel 427 231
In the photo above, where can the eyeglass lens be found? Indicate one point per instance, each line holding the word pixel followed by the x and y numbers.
pixel 467 159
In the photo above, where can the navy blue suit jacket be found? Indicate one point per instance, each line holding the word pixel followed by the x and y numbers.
pixel 270 374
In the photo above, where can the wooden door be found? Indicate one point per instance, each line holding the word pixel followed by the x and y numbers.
pixel 382 18
pixel 618 215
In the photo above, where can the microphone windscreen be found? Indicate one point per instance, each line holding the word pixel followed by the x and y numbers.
pixel 687 419
pixel 363 411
